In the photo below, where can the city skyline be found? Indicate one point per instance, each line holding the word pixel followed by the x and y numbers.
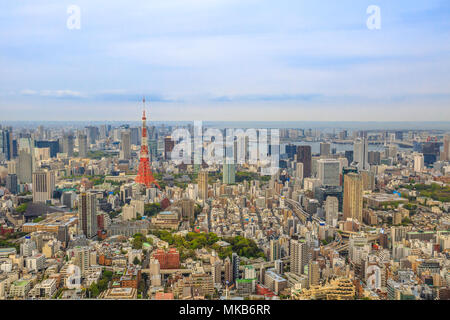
pixel 213 60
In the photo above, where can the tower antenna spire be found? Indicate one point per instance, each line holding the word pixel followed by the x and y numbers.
pixel 145 176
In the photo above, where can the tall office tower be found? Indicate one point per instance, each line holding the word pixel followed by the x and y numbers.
pixel 169 144
pixel 291 151
pixel 374 157
pixel 11 183
pixel 313 273
pixel 229 173
pixel 134 132
pixel 82 145
pixel 203 185
pixel 274 253
pixel 353 196
pixel 331 211
pixel 103 132
pixel 43 186
pixel 418 162
pixel 87 214
pixel 235 263
pixel 5 145
pixel 125 145
pixel 304 156
pixel 67 144
pixel 325 149
pixel 430 152
pixel 328 172
pixel 145 175
pixel 153 148
pixel 360 153
pixel 25 166
pixel 92 134
pixel 446 154
pixel 299 255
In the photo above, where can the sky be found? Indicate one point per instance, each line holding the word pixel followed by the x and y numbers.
pixel 225 60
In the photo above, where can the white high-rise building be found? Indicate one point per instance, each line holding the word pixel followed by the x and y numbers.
pixel 331 211
pixel 361 153
pixel 418 162
pixel 299 255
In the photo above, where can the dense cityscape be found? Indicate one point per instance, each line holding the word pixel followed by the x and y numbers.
pixel 105 212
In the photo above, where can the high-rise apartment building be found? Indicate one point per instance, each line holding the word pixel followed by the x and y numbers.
pixel 203 185
pixel 418 162
pixel 299 255
pixel 87 214
pixel 331 211
pixel 353 196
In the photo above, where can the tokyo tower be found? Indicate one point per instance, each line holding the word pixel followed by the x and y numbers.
pixel 145 175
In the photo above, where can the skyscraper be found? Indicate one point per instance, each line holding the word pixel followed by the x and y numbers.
pixel 125 145
pixel 353 196
pixel 87 214
pixel 5 145
pixel 82 145
pixel 11 183
pixel 331 211
pixel 325 149
pixel 203 185
pixel 361 153
pixel 43 186
pixel 169 144
pixel 235 263
pixel 67 145
pixel 229 173
pixel 299 255
pixel 446 153
pixel 304 156
pixel 25 166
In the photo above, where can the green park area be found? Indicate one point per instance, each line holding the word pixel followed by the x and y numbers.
pixel 187 244
pixel 433 191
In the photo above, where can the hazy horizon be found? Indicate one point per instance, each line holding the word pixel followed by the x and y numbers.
pixel 225 60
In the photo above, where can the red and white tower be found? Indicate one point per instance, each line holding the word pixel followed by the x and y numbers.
pixel 145 175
